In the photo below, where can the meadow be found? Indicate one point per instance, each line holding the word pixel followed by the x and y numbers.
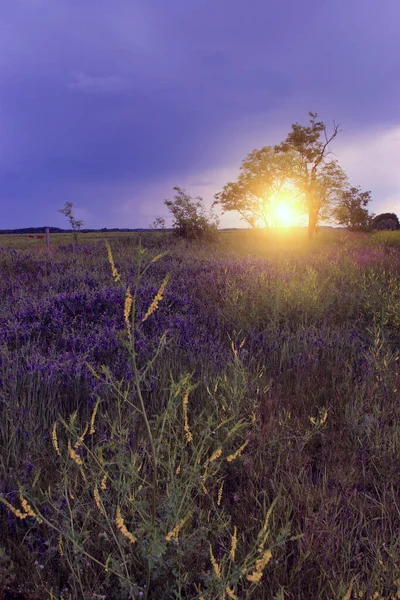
pixel 196 421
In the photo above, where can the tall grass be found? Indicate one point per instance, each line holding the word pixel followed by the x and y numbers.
pixel 239 440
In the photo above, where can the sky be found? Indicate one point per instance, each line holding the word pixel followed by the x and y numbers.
pixel 109 104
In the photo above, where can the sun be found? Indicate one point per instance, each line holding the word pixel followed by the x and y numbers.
pixel 284 214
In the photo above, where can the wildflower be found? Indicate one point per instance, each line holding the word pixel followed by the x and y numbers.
pixel 185 402
pixel 92 418
pixel 97 500
pixel 178 470
pixel 81 438
pixel 216 454
pixel 215 565
pixel 159 296
pixel 103 484
pixel 232 553
pixel 348 594
pixel 115 274
pixel 238 452
pixel 220 494
pixel 54 439
pixel 122 527
pixel 127 311
pixel 75 457
pixel 14 510
pixel 173 534
pixel 230 593
pixel 28 510
pixel 261 563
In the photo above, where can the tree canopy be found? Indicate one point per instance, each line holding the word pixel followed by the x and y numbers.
pixel 263 176
pixel 351 209
pixel 300 165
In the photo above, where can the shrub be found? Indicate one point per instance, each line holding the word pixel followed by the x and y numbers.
pixel 191 219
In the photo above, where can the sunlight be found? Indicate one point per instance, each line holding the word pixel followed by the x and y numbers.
pixel 284 215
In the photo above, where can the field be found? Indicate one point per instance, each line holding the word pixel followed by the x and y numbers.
pixel 200 421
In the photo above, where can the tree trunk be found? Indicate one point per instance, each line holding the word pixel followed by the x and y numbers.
pixel 312 223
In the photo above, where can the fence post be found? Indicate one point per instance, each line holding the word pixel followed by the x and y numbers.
pixel 47 230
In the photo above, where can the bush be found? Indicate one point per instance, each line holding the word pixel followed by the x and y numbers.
pixel 386 221
pixel 191 219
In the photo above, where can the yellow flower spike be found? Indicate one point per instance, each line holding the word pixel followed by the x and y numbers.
pixel 174 533
pixel 74 456
pixel 215 565
pixel 97 500
pixel 81 438
pixel 230 593
pixel 122 527
pixel 103 484
pixel 178 470
pixel 232 552
pixel 115 274
pixel 348 594
pixel 54 439
pixel 220 494
pixel 185 402
pixel 157 299
pixel 127 311
pixel 28 510
pixel 215 455
pixel 15 511
pixel 238 452
pixel 261 563
pixel 93 417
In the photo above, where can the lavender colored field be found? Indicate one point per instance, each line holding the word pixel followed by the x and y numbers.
pixel 241 441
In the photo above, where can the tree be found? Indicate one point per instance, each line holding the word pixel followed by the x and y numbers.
pixel 263 176
pixel 158 223
pixel 319 180
pixel 386 221
pixel 351 209
pixel 191 219
pixel 75 224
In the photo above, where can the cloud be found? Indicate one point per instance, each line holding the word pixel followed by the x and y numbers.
pixel 371 159
pixel 97 85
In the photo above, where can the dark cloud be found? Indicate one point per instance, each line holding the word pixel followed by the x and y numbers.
pixel 98 97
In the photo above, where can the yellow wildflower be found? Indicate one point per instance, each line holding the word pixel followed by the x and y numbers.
pixel 157 299
pixel 81 438
pixel 75 457
pixel 115 274
pixel 54 439
pixel 127 311
pixel 230 593
pixel 348 594
pixel 215 565
pixel 97 500
pixel 220 494
pixel 103 484
pixel 232 553
pixel 174 533
pixel 28 510
pixel 14 510
pixel 122 527
pixel 92 418
pixel 178 470
pixel 238 452
pixel 261 563
pixel 186 429
pixel 216 454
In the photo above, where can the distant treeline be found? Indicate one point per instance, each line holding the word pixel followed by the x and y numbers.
pixel 58 230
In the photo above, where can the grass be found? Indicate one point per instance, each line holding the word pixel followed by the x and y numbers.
pixel 242 440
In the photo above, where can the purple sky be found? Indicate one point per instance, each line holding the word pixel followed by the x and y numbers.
pixel 110 103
